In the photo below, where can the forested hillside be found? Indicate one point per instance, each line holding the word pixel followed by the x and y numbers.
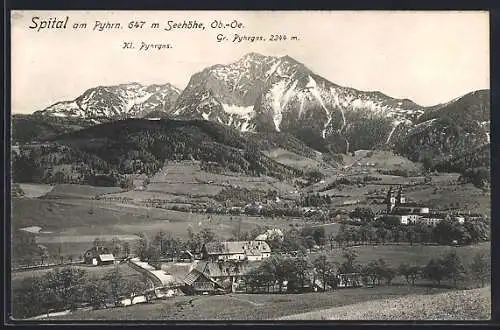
pixel 29 128
pixel 449 130
pixel 140 146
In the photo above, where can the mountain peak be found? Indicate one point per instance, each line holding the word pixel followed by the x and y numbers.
pixel 289 59
pixel 104 103
pixel 254 55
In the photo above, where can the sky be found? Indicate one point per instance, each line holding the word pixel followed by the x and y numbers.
pixel 428 57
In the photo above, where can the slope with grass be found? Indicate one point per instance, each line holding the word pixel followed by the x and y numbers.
pixel 467 305
pixel 245 306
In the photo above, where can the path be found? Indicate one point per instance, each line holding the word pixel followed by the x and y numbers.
pixel 245 300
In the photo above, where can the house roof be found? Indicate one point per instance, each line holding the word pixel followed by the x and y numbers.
pixel 192 276
pixel 222 269
pixel 106 257
pixel 253 248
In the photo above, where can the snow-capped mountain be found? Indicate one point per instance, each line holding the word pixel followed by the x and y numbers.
pixel 116 102
pixel 259 93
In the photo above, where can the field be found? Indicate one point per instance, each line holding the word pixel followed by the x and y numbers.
pixel 289 158
pixel 79 191
pixel 35 190
pixel 184 182
pixel 99 272
pixel 472 304
pixel 413 255
pixel 75 223
pixel 246 306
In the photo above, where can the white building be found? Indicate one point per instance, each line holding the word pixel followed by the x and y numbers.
pixel 238 251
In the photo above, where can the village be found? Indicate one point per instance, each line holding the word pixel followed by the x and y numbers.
pixel 275 261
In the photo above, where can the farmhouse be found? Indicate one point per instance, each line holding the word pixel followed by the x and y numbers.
pixel 211 277
pixel 198 282
pixel 98 256
pixel 242 250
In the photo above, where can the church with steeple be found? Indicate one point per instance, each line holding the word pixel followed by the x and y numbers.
pixel 393 201
pixel 407 213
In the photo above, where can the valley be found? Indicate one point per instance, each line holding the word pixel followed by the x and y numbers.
pixel 176 199
pixel 323 187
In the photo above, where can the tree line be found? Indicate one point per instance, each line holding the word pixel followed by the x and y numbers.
pixel 70 288
pixel 301 273
pixel 385 230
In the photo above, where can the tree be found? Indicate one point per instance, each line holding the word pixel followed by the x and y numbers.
pixel 131 288
pixel 348 264
pixel 453 267
pixel 30 297
pixel 410 273
pixel 126 249
pixel 480 268
pixel 293 241
pixel 65 286
pixel 116 246
pixel 43 253
pixel 277 267
pixel 324 268
pixel 142 247
pixel 371 271
pixel 317 234
pixel 427 162
pixel 98 243
pixel 411 235
pixel 382 233
pixel 388 273
pixel 435 271
pixel 479 176
pixel 478 230
pixel 95 292
pixel 301 267
pixel 366 214
pixel 115 284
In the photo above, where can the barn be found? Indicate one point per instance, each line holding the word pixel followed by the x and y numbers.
pixel 98 256
pixel 197 282
pixel 211 276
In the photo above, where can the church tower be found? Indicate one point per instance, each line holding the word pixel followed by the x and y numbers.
pixel 400 199
pixel 390 200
